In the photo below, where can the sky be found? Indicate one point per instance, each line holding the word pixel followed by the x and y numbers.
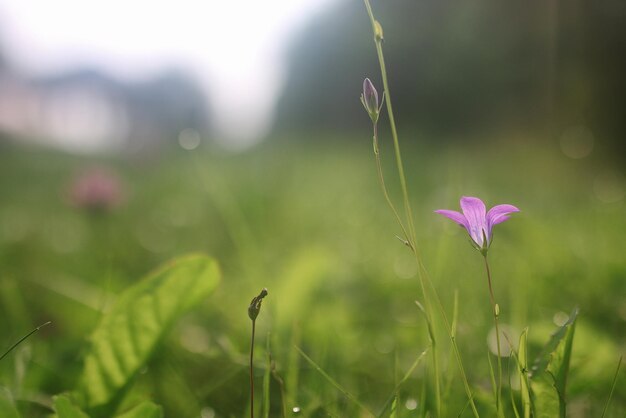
pixel 235 48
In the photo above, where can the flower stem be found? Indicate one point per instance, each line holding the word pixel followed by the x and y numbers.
pixel 381 180
pixel 252 370
pixel 496 312
pixel 411 235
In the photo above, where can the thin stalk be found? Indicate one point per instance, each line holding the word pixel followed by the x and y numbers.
pixel 253 312
pixel 333 382
pixel 22 339
pixel 608 401
pixel 381 181
pixel 496 313
pixel 455 348
pixel 423 276
pixel 252 370
pixel 411 236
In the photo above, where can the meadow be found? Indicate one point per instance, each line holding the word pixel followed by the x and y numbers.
pixel 305 219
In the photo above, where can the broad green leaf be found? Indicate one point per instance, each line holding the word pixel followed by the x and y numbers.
pixel 549 373
pixel 144 410
pixel 128 334
pixel 7 406
pixel 65 408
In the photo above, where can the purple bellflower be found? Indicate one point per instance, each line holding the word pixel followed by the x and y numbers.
pixel 477 221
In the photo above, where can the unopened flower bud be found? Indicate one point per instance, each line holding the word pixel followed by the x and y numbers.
pixel 255 304
pixel 369 98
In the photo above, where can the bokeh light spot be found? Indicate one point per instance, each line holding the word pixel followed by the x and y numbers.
pixel 577 142
pixel 506 332
pixel 189 139
pixel 411 404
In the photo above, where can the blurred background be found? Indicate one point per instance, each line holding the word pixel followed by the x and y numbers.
pixel 133 132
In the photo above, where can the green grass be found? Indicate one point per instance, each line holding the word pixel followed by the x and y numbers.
pixel 308 221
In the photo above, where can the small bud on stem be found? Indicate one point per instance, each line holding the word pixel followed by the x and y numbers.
pixel 369 99
pixel 253 312
pixel 255 304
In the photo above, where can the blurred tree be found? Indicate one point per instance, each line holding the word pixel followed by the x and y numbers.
pixel 461 66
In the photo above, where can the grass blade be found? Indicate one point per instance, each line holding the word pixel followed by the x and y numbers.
pixel 401 382
pixel 394 406
pixel 522 367
pixel 22 339
pixel 266 380
pixel 508 370
pixel 334 382
pixel 608 401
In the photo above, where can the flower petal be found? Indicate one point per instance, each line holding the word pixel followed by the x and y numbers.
pixel 475 213
pixel 455 216
pixel 499 214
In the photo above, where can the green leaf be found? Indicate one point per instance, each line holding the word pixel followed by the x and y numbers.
pixel 129 333
pixel 144 410
pixel 549 373
pixel 65 408
pixel 7 406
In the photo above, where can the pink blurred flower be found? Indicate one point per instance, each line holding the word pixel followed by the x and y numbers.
pixel 477 221
pixel 96 189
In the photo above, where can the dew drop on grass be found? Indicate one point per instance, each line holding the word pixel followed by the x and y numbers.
pixel 411 404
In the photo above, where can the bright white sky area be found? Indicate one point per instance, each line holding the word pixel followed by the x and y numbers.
pixel 235 48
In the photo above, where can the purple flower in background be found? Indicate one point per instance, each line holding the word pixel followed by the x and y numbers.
pixel 96 189
pixel 477 221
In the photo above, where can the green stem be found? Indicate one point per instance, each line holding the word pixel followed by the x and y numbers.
pixel 411 236
pixel 496 313
pixel 23 338
pixel 455 347
pixel 252 371
pixel 423 276
pixel 422 273
pixel 381 180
